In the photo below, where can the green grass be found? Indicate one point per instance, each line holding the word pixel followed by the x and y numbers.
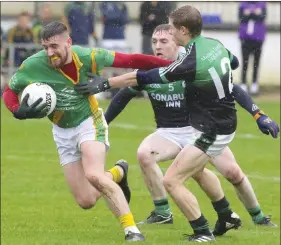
pixel 37 208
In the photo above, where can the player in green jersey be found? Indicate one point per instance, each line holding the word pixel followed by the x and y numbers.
pixel 206 70
pixel 79 128
pixel 172 133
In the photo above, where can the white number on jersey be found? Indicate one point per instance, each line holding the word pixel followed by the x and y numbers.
pixel 216 79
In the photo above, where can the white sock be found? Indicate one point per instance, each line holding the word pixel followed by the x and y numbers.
pixel 133 229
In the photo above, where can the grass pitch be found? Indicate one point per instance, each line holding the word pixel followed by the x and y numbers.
pixel 38 209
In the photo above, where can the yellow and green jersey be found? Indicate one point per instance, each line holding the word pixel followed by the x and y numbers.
pixel 71 108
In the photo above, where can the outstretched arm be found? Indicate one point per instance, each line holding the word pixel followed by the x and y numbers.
pixel 182 69
pixel 138 61
pixel 265 124
pixel 118 103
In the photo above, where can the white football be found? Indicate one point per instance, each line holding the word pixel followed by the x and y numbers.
pixel 40 90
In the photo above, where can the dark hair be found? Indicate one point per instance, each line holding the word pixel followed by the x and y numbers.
pixel 52 29
pixel 188 17
pixel 163 27
pixel 24 14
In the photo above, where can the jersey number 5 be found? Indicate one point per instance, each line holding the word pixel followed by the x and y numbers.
pixel 171 87
pixel 216 78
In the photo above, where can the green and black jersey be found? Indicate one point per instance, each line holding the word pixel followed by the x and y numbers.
pixel 168 102
pixel 206 70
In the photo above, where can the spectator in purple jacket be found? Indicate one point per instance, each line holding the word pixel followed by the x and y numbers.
pixel 252 33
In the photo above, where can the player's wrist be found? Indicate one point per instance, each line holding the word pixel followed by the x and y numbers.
pixel 103 86
pixel 258 114
pixel 106 84
pixel 141 77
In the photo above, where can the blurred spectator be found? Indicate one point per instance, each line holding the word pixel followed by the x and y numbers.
pixel 1 50
pixel 1 76
pixel 252 33
pixel 44 18
pixel 79 18
pixel 152 14
pixel 1 38
pixel 21 33
pixel 114 16
pixel 3 84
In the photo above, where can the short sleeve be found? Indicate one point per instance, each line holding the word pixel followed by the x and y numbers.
pixel 101 58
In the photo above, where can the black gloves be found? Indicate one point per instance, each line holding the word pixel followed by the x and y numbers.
pixel 28 112
pixel 94 86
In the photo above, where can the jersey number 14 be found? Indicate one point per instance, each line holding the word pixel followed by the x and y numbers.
pixel 225 62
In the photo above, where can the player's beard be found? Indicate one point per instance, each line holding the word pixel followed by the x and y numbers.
pixel 59 60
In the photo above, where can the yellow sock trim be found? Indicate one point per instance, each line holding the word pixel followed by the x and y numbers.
pixel 127 220
pixel 116 174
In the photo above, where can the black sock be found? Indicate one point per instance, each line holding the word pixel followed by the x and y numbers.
pixel 222 208
pixel 200 226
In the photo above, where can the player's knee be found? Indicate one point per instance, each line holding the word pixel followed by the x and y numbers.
pixel 86 202
pixel 169 183
pixel 234 175
pixel 144 157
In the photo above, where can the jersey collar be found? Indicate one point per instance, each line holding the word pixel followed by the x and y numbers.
pixel 78 64
pixel 192 41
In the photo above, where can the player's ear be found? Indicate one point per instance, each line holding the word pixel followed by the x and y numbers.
pixel 184 31
pixel 69 41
